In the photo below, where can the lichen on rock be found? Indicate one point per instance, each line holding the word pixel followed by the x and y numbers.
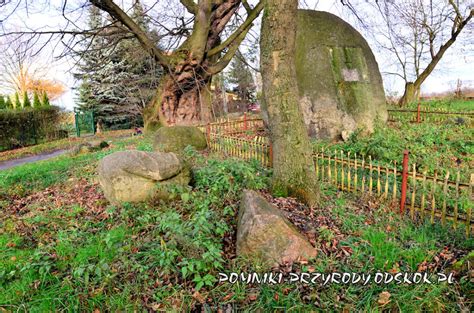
pixel 339 82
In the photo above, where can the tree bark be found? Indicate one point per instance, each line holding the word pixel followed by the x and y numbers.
pixel 293 168
pixel 182 97
pixel 412 89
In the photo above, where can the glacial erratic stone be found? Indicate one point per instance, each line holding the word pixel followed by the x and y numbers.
pixel 176 138
pixel 135 176
pixel 263 232
pixel 339 82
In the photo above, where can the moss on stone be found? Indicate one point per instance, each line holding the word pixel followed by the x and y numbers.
pixel 327 47
pixel 176 138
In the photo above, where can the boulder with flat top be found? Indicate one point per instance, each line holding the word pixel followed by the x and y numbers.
pixel 135 176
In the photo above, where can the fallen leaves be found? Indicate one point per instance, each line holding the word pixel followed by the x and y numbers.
pixel 384 298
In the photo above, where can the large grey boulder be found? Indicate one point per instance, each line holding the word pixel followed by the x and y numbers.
pixel 176 138
pixel 135 176
pixel 339 82
pixel 263 232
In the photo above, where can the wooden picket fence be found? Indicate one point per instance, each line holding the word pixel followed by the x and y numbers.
pixel 430 115
pixel 229 127
pixel 441 197
pixel 436 197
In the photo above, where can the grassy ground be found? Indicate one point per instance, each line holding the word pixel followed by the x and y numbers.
pixel 452 105
pixel 443 147
pixel 63 247
pixel 59 144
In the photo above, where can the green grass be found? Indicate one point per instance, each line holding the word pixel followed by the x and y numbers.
pixel 75 257
pixel 449 104
pixel 431 147
pixel 66 143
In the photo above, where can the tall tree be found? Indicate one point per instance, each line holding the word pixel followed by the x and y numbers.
pixel 9 103
pixel 2 103
pixel 417 33
pixel 45 101
pixel 117 80
pixel 241 76
pixel 36 100
pixel 201 44
pixel 26 100
pixel 183 95
pixel 293 169
pixel 17 102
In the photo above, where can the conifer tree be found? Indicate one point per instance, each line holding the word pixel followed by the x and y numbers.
pixel 36 100
pixel 241 76
pixel 8 103
pixel 117 80
pixel 2 103
pixel 45 101
pixel 17 102
pixel 26 101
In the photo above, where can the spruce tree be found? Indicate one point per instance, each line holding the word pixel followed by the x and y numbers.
pixel 17 103
pixel 26 100
pixel 2 103
pixel 241 76
pixel 8 103
pixel 45 100
pixel 36 100
pixel 117 80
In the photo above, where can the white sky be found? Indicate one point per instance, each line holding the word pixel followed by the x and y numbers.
pixel 456 64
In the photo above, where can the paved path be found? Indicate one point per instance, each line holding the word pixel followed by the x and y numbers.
pixel 34 158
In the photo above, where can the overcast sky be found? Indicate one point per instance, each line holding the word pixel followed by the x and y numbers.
pixel 456 64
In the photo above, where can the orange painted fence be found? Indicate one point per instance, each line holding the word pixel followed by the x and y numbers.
pixel 441 197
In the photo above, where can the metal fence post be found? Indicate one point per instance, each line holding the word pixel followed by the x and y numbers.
pixel 76 122
pixel 418 113
pixel 404 182
pixel 270 155
pixel 208 133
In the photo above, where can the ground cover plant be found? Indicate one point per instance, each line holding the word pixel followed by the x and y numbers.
pixel 444 147
pixel 64 247
pixel 451 105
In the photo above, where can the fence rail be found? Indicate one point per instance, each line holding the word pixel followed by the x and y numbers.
pixel 420 115
pixel 442 197
pixel 422 195
pixel 226 126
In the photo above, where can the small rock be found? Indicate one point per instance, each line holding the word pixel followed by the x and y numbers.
pixel 88 147
pixel 265 233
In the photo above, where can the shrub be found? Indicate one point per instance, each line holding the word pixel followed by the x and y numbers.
pixel 2 103
pixel 17 102
pixel 36 100
pixel 27 127
pixel 45 100
pixel 26 101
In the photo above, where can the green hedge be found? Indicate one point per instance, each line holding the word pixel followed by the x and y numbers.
pixel 29 127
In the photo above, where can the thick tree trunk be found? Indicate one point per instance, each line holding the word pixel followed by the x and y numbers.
pixel 294 173
pixel 408 95
pixel 180 100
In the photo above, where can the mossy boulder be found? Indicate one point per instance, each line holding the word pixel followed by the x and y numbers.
pixel 339 82
pixel 176 138
pixel 136 176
